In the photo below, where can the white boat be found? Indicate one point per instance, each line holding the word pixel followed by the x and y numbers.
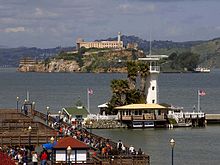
pixel 202 70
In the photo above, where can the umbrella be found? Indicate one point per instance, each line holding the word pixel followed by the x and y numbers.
pixel 49 146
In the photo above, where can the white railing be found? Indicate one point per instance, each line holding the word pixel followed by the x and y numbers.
pixel 194 114
pixel 102 117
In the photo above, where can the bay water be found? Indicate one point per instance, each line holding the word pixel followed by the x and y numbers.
pixel 198 146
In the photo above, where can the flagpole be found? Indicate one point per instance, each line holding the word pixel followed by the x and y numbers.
pixel 88 100
pixel 198 101
pixel 27 97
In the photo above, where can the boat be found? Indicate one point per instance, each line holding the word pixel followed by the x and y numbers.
pixel 178 118
pixel 202 70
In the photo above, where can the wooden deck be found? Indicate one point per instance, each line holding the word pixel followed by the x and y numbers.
pixel 14 132
pixel 14 129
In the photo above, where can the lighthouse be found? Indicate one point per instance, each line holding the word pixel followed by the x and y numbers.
pixel 152 80
pixel 151 83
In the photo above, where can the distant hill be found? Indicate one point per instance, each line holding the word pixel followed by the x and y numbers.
pixel 145 45
pixel 11 56
pixel 209 50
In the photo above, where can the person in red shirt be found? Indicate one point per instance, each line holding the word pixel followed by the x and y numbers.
pixel 44 157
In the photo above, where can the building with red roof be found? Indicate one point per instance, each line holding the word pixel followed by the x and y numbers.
pixel 70 149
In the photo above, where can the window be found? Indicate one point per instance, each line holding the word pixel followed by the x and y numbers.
pixel 153 87
pixel 136 112
pixel 153 101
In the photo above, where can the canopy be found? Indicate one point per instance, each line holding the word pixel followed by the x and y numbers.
pixel 140 106
pixel 49 146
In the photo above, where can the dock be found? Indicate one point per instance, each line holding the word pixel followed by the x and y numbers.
pixel 14 131
pixel 212 118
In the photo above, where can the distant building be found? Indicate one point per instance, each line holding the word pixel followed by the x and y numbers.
pixel 132 46
pixel 100 44
pixel 27 61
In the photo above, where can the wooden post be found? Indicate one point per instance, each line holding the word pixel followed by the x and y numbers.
pixel 19 140
pixel 37 138
pixel 2 141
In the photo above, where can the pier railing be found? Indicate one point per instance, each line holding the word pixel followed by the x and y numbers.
pixel 14 140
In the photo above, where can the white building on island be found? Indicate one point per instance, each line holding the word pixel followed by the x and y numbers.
pixel 100 44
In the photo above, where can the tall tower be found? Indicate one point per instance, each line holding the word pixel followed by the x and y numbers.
pixel 151 83
pixel 119 37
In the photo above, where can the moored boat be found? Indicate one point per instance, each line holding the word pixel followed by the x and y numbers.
pixel 202 70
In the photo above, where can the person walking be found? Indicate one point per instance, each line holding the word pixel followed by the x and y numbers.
pixel 34 158
pixel 44 157
pixel 120 146
pixel 20 158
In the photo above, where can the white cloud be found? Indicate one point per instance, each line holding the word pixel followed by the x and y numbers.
pixel 137 8
pixel 39 13
pixel 14 30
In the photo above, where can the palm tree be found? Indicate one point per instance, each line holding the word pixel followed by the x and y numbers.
pixel 119 90
pixel 134 97
pixel 132 74
pixel 144 72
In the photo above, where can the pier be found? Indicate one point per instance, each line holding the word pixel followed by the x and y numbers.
pixel 212 118
pixel 34 128
pixel 14 129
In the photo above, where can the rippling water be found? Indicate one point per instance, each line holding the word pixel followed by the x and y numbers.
pixel 196 146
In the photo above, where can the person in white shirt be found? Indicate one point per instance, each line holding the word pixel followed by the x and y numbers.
pixel 19 158
pixel 131 149
pixel 34 158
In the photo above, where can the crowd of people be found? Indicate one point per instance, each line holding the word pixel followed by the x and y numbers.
pixel 22 155
pixel 101 147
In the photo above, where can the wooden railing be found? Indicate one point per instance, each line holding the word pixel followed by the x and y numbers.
pixel 25 139
pixel 115 160
pixel 143 117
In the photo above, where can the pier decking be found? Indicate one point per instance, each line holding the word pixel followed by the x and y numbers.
pixel 14 132
pixel 212 118
pixel 14 129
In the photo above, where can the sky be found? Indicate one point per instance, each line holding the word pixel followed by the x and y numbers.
pixel 52 23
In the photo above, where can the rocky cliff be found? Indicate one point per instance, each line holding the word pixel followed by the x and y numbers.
pixel 53 66
pixel 93 61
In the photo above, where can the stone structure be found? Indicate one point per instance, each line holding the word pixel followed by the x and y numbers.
pixel 101 44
